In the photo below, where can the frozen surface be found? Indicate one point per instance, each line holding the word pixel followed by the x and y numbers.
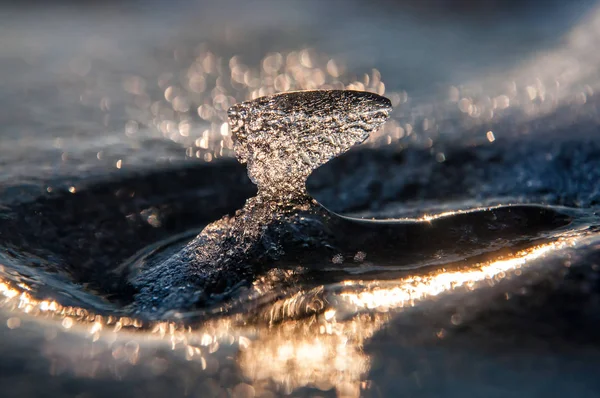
pixel 115 148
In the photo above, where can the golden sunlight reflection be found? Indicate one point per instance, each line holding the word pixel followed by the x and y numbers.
pixel 321 353
pixel 322 349
pixel 325 351
pixel 410 290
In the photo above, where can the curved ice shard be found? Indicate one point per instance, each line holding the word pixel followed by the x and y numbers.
pixel 284 137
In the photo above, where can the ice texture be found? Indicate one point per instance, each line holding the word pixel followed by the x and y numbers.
pixel 282 138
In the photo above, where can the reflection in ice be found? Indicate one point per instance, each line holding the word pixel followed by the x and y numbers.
pixel 320 349
pixel 383 296
pixel 322 353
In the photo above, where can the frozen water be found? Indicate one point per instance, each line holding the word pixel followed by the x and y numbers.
pixel 282 138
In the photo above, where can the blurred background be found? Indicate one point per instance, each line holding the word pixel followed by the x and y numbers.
pixel 114 86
